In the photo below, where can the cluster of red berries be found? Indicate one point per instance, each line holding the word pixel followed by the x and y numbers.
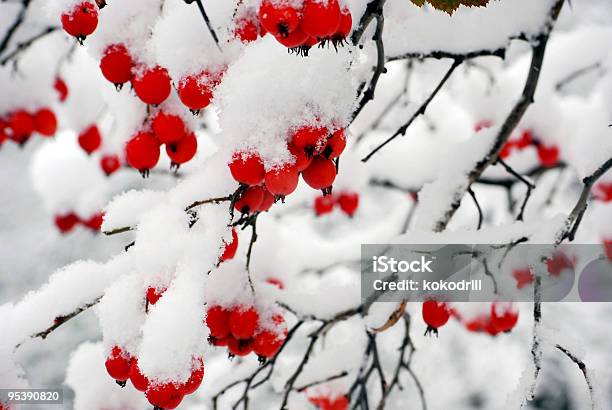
pixel 502 318
pixel 313 150
pixel 122 367
pixel 330 403
pixel 90 140
pixel 67 222
pixel 554 265
pixel 547 154
pixel 240 329
pixel 347 201
pixel 153 85
pixel 81 20
pixel 300 28
pixel 143 150
pixel 19 125
pixel 61 88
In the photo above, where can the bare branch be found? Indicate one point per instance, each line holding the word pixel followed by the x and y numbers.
pixel 480 216
pixel 583 368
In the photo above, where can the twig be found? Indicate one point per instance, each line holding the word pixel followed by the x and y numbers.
pixel 530 187
pixel 13 28
pixel 439 55
pixel 208 201
pixel 207 21
pixel 118 230
pixel 253 224
pixel 536 349
pixel 329 379
pixel 573 76
pixel 27 43
pixel 402 130
pixel 480 216
pixel 583 368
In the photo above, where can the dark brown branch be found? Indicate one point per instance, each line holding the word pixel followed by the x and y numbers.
pixel 583 368
pixel 513 119
pixel 318 382
pixel 480 216
pixel 530 186
pixel 27 43
pixel 402 130
pixel 118 230
pixel 576 75
pixel 208 201
pixel 207 21
pixel 10 32
pixel 439 55
pixel 370 13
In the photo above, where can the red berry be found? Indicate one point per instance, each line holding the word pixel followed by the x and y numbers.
pixel 282 180
pixel 503 318
pixel 247 168
pixel 139 380
pixel 110 164
pixel 525 140
pixel 66 223
pixel 481 125
pixel 276 282
pixel 549 155
pixel 310 139
pixel 95 222
pixel 246 30
pixel 152 85
pixel 558 263
pixel 61 88
pixel 345 27
pixel 239 347
pixel 243 322
pixel 45 122
pixel 250 200
pixel 267 202
pixel 21 125
pixel 294 39
pixel 3 136
pixel 116 64
pixel 321 19
pixel 523 277
pixel 607 244
pixel 81 21
pixel 267 343
pixel 506 150
pixel 320 174
pixel 184 150
pixel 435 314
pixel 167 395
pixel 142 151
pixel 118 364
pixel 218 342
pixel 195 91
pixel 335 145
pixel 154 294
pixel 217 320
pixel 349 202
pixel 301 159
pixel 278 18
pixel 323 204
pixel 90 139
pixel 603 191
pixel 168 127
pixel 197 375
pixel 229 251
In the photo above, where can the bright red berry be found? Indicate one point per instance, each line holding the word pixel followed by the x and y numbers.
pixel 21 126
pixel 335 145
pixel 278 18
pixel 66 223
pixel 195 91
pixel 197 375
pixel 250 200
pixel 301 159
pixel 81 21
pixel 167 395
pixel 243 322
pixel 154 294
pixel 323 204
pixel 282 180
pixel 229 250
pixel 549 155
pixel 239 347
pixel 435 314
pixel 558 263
pixel 142 151
pixel 45 122
pixel 267 202
pixel 603 191
pixel 294 39
pixel 61 88
pixel 523 277
pixel 503 318
pixel 506 150
pixel 116 64
pixel 321 19
pixel 525 140
pixel 320 174
pixel 168 127
pixel 349 202
pixel 246 30
pixel 182 151
pixel 90 139
pixel 118 364
pixel 3 135
pixel 345 27
pixel 139 380
pixel 310 139
pixel 110 164
pixel 247 168
pixel 152 85
pixel 267 343
pixel 95 222
pixel 217 320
